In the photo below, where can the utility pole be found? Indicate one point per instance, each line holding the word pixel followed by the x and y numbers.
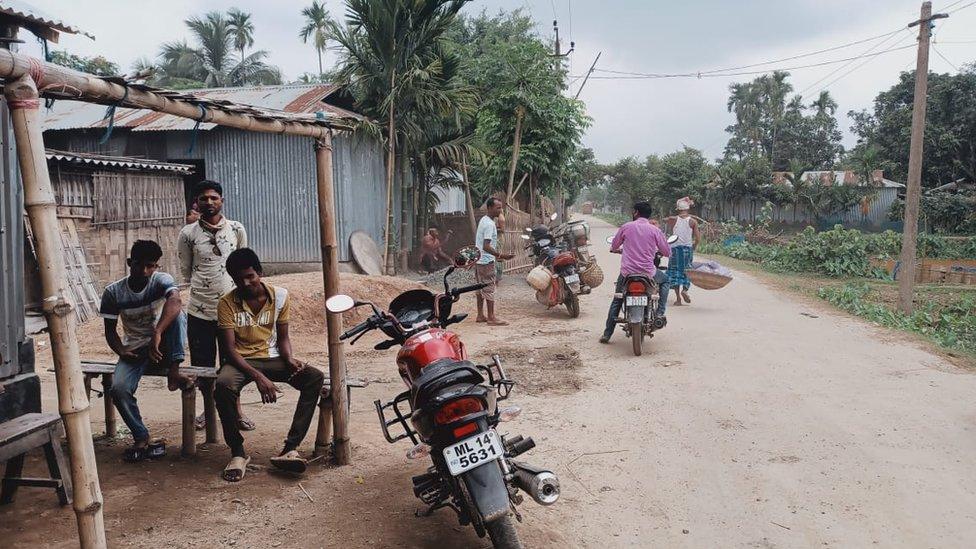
pixel 588 73
pixel 909 242
pixel 556 47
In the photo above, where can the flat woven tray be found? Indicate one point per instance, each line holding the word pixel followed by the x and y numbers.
pixel 707 281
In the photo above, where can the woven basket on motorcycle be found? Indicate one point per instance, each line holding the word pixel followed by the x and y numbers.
pixel 707 281
pixel 592 275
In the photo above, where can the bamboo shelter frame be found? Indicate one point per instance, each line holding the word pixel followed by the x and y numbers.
pixel 26 80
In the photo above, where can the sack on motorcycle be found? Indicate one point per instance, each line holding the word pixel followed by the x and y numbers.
pixel 592 275
pixel 539 278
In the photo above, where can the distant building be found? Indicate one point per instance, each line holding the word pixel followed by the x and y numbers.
pixel 269 179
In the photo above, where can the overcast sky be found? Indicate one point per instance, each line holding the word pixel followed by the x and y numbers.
pixel 631 117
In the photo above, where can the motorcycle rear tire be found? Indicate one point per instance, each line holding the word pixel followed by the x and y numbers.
pixel 637 337
pixel 503 534
pixel 573 306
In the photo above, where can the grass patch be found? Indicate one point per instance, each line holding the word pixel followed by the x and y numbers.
pixel 615 219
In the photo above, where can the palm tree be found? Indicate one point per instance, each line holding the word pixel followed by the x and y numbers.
pixel 393 59
pixel 213 33
pixel 316 28
pixel 241 29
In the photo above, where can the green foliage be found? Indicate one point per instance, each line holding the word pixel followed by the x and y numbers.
pixel 97 65
pixel 950 127
pixel 952 326
pixel 211 62
pixel 615 219
pixel 782 131
pixel 943 213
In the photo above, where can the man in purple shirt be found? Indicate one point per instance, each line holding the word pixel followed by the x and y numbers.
pixel 638 242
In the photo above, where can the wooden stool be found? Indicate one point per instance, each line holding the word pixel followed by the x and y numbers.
pixel 21 435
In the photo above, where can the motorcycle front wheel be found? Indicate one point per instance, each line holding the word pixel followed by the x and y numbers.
pixel 572 305
pixel 637 337
pixel 503 534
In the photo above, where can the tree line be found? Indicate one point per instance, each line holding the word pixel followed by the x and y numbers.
pixel 775 130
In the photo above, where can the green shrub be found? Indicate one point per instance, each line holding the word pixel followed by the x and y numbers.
pixel 952 326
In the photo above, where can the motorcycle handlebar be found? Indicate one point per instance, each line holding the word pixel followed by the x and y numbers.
pixel 361 327
pixel 471 288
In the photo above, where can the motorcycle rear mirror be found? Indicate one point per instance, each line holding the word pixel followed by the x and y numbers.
pixel 553 216
pixel 672 239
pixel 525 237
pixel 610 239
pixel 339 303
pixel 466 257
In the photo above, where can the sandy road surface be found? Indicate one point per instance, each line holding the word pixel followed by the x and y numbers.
pixel 745 424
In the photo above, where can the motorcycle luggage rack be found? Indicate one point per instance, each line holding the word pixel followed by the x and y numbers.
pixel 400 418
pixel 497 377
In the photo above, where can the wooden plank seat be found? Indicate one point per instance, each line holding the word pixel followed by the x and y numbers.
pixel 205 378
pixel 21 435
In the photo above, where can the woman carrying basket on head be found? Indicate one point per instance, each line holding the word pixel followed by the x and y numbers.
pixel 682 251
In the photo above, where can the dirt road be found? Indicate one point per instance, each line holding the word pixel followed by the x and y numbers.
pixel 754 420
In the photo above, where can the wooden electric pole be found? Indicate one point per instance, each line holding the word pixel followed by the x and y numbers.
pixel 906 272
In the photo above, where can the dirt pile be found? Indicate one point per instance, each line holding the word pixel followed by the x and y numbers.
pixel 307 308
pixel 308 297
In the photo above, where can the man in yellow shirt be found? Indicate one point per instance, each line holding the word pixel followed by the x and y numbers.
pixel 253 324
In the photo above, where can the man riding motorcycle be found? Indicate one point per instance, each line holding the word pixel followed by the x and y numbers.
pixel 638 242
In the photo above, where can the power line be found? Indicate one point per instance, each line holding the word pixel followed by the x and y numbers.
pixel 738 68
pixel 959 8
pixel 944 58
pixel 953 4
pixel 637 76
pixel 854 69
pixel 849 63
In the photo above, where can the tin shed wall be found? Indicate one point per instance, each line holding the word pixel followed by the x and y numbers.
pixel 11 252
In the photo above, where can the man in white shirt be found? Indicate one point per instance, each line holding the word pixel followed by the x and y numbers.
pixel 486 239
pixel 203 248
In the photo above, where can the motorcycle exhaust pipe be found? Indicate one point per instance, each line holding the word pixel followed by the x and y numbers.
pixel 542 485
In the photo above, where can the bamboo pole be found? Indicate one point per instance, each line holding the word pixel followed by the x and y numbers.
pixel 390 159
pixel 64 83
pixel 41 206
pixel 467 196
pixel 516 145
pixel 330 275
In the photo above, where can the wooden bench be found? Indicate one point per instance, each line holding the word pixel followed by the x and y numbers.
pixel 21 435
pixel 205 378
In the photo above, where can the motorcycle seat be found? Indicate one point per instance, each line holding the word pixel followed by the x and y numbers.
pixel 441 374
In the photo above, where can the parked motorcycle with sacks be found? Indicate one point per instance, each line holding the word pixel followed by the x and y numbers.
pixel 564 268
pixel 450 411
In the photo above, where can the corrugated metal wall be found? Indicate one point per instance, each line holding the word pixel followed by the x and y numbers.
pixel 746 210
pixel 11 252
pixel 269 182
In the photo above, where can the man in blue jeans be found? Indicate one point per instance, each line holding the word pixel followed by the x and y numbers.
pixel 153 334
pixel 638 242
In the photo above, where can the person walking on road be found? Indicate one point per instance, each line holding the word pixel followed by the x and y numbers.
pixel 638 242
pixel 686 229
pixel 203 248
pixel 486 239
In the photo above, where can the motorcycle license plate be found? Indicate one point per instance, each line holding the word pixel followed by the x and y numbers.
pixel 637 300
pixel 473 452
pixel 572 279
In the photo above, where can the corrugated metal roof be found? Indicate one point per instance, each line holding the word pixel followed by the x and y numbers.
pixel 28 13
pixel 117 161
pixel 296 99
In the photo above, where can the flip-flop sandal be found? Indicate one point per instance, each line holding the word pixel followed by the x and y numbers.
pixel 234 472
pixel 135 455
pixel 156 449
pixel 684 294
pixel 245 424
pixel 497 323
pixel 292 462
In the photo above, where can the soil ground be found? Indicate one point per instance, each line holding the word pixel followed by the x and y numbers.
pixel 755 419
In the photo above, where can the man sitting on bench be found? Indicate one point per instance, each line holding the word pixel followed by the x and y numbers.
pixel 253 324
pixel 154 332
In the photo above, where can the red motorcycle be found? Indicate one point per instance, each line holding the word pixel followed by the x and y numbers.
pixel 450 412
